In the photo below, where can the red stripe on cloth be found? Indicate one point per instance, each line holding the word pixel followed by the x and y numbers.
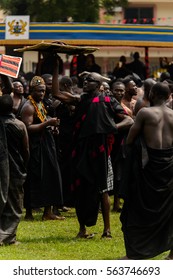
pixel 9 65
pixel 7 72
pixel 11 58
pixel 95 99
pixel 107 99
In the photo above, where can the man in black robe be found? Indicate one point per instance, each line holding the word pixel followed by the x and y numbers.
pixel 97 119
pixel 147 185
pixel 43 187
pixel 14 153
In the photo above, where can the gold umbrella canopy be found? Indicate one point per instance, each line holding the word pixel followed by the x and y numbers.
pixel 58 47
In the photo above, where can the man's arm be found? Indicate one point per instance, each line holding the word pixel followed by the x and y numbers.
pixel 64 96
pixel 25 150
pixel 137 127
pixel 27 116
pixel 125 122
pixel 138 106
pixel 25 141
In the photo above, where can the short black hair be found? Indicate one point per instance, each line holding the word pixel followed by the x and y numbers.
pixel 117 83
pixel 66 80
pixel 136 55
pixel 6 104
pixel 161 90
pixel 164 76
pixel 46 77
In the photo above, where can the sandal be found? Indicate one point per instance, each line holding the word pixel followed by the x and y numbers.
pixel 106 234
pixel 52 217
pixel 65 209
pixel 86 235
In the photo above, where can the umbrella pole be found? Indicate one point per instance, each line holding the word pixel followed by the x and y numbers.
pixel 147 62
pixel 38 68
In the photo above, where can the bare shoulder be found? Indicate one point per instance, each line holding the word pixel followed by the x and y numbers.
pixel 169 112
pixel 144 111
pixel 28 107
pixel 152 110
pixel 139 104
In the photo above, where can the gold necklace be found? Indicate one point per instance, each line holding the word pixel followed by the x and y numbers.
pixel 41 112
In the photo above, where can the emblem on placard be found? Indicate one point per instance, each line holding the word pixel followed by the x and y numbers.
pixel 17 27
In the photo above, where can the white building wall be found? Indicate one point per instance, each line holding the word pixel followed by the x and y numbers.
pixel 163 16
pixel 163 11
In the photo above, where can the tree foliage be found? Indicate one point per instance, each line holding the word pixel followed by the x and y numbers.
pixel 110 5
pixel 59 10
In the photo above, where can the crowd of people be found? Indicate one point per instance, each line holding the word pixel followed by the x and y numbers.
pixel 75 141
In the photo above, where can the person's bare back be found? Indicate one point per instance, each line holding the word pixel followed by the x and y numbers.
pixel 158 126
pixel 154 123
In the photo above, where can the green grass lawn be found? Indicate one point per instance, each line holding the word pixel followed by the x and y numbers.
pixel 55 240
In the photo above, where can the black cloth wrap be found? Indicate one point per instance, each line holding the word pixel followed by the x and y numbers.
pixel 147 190
pixel 95 121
